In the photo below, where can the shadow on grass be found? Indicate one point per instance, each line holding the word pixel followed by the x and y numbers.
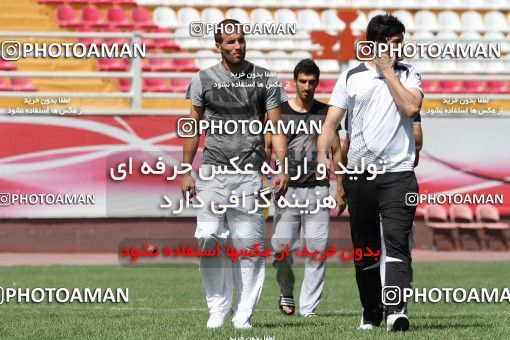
pixel 444 316
pixel 449 325
pixel 340 313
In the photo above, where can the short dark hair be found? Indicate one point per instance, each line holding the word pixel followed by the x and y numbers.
pixel 220 27
pixel 384 26
pixel 307 66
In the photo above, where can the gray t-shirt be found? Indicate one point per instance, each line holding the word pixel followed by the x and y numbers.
pixel 224 97
pixel 303 145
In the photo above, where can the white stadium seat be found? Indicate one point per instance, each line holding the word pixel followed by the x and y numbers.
pixel 308 19
pixel 378 3
pixel 332 3
pixel 212 15
pixel 359 25
pixel 429 4
pixel 452 4
pixel 281 63
pixel 423 65
pixel 496 4
pixel 422 36
pixel 328 66
pixel 302 39
pixel 446 35
pixel 186 15
pixel 165 17
pixel 473 4
pixel 239 14
pixel 449 20
pixel 407 19
pixel 373 13
pixel 243 3
pixel 495 21
pixel 470 65
pixel 261 42
pixel 301 55
pixel 505 47
pixel 472 21
pixel 470 35
pixel 330 20
pixel 191 42
pixel 446 65
pixel 261 15
pixel 211 59
pixel 494 66
pixel 425 20
pixel 257 57
pixel 285 16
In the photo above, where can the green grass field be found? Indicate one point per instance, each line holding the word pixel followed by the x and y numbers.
pixel 169 303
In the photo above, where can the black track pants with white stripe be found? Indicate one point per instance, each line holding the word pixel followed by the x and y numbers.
pixel 371 202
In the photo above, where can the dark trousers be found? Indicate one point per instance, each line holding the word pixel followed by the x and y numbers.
pixel 370 202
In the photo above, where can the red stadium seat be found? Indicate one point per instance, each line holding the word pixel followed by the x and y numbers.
pixel 88 41
pixel 109 2
pixel 288 85
pixel 119 41
pixel 430 87
pixel 156 85
pixel 77 2
pixel 4 86
pixel 124 84
pixel 149 43
pixel 125 2
pixel 117 18
pixel 112 64
pixel 185 65
pixel 470 232
pixel 92 17
pixel 22 84
pixel 495 237
pixel 165 43
pixel 142 18
pixel 448 86
pixel 102 2
pixel 146 65
pixel 326 85
pixel 474 87
pixel 51 2
pixel 6 65
pixel 443 233
pixel 498 87
pixel 179 85
pixel 66 17
pixel 161 65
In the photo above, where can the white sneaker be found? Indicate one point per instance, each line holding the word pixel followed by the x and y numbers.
pixel 218 319
pixel 397 322
pixel 366 326
pixel 243 325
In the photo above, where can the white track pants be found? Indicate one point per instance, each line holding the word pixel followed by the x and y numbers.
pixel 219 273
pixel 286 230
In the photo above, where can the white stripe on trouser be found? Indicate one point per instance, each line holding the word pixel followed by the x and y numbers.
pixel 219 273
pixel 385 258
pixel 286 230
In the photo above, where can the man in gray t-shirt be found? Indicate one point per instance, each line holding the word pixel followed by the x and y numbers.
pixel 289 222
pixel 213 89
pixel 234 90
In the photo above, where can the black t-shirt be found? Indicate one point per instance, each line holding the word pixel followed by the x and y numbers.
pixel 302 145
